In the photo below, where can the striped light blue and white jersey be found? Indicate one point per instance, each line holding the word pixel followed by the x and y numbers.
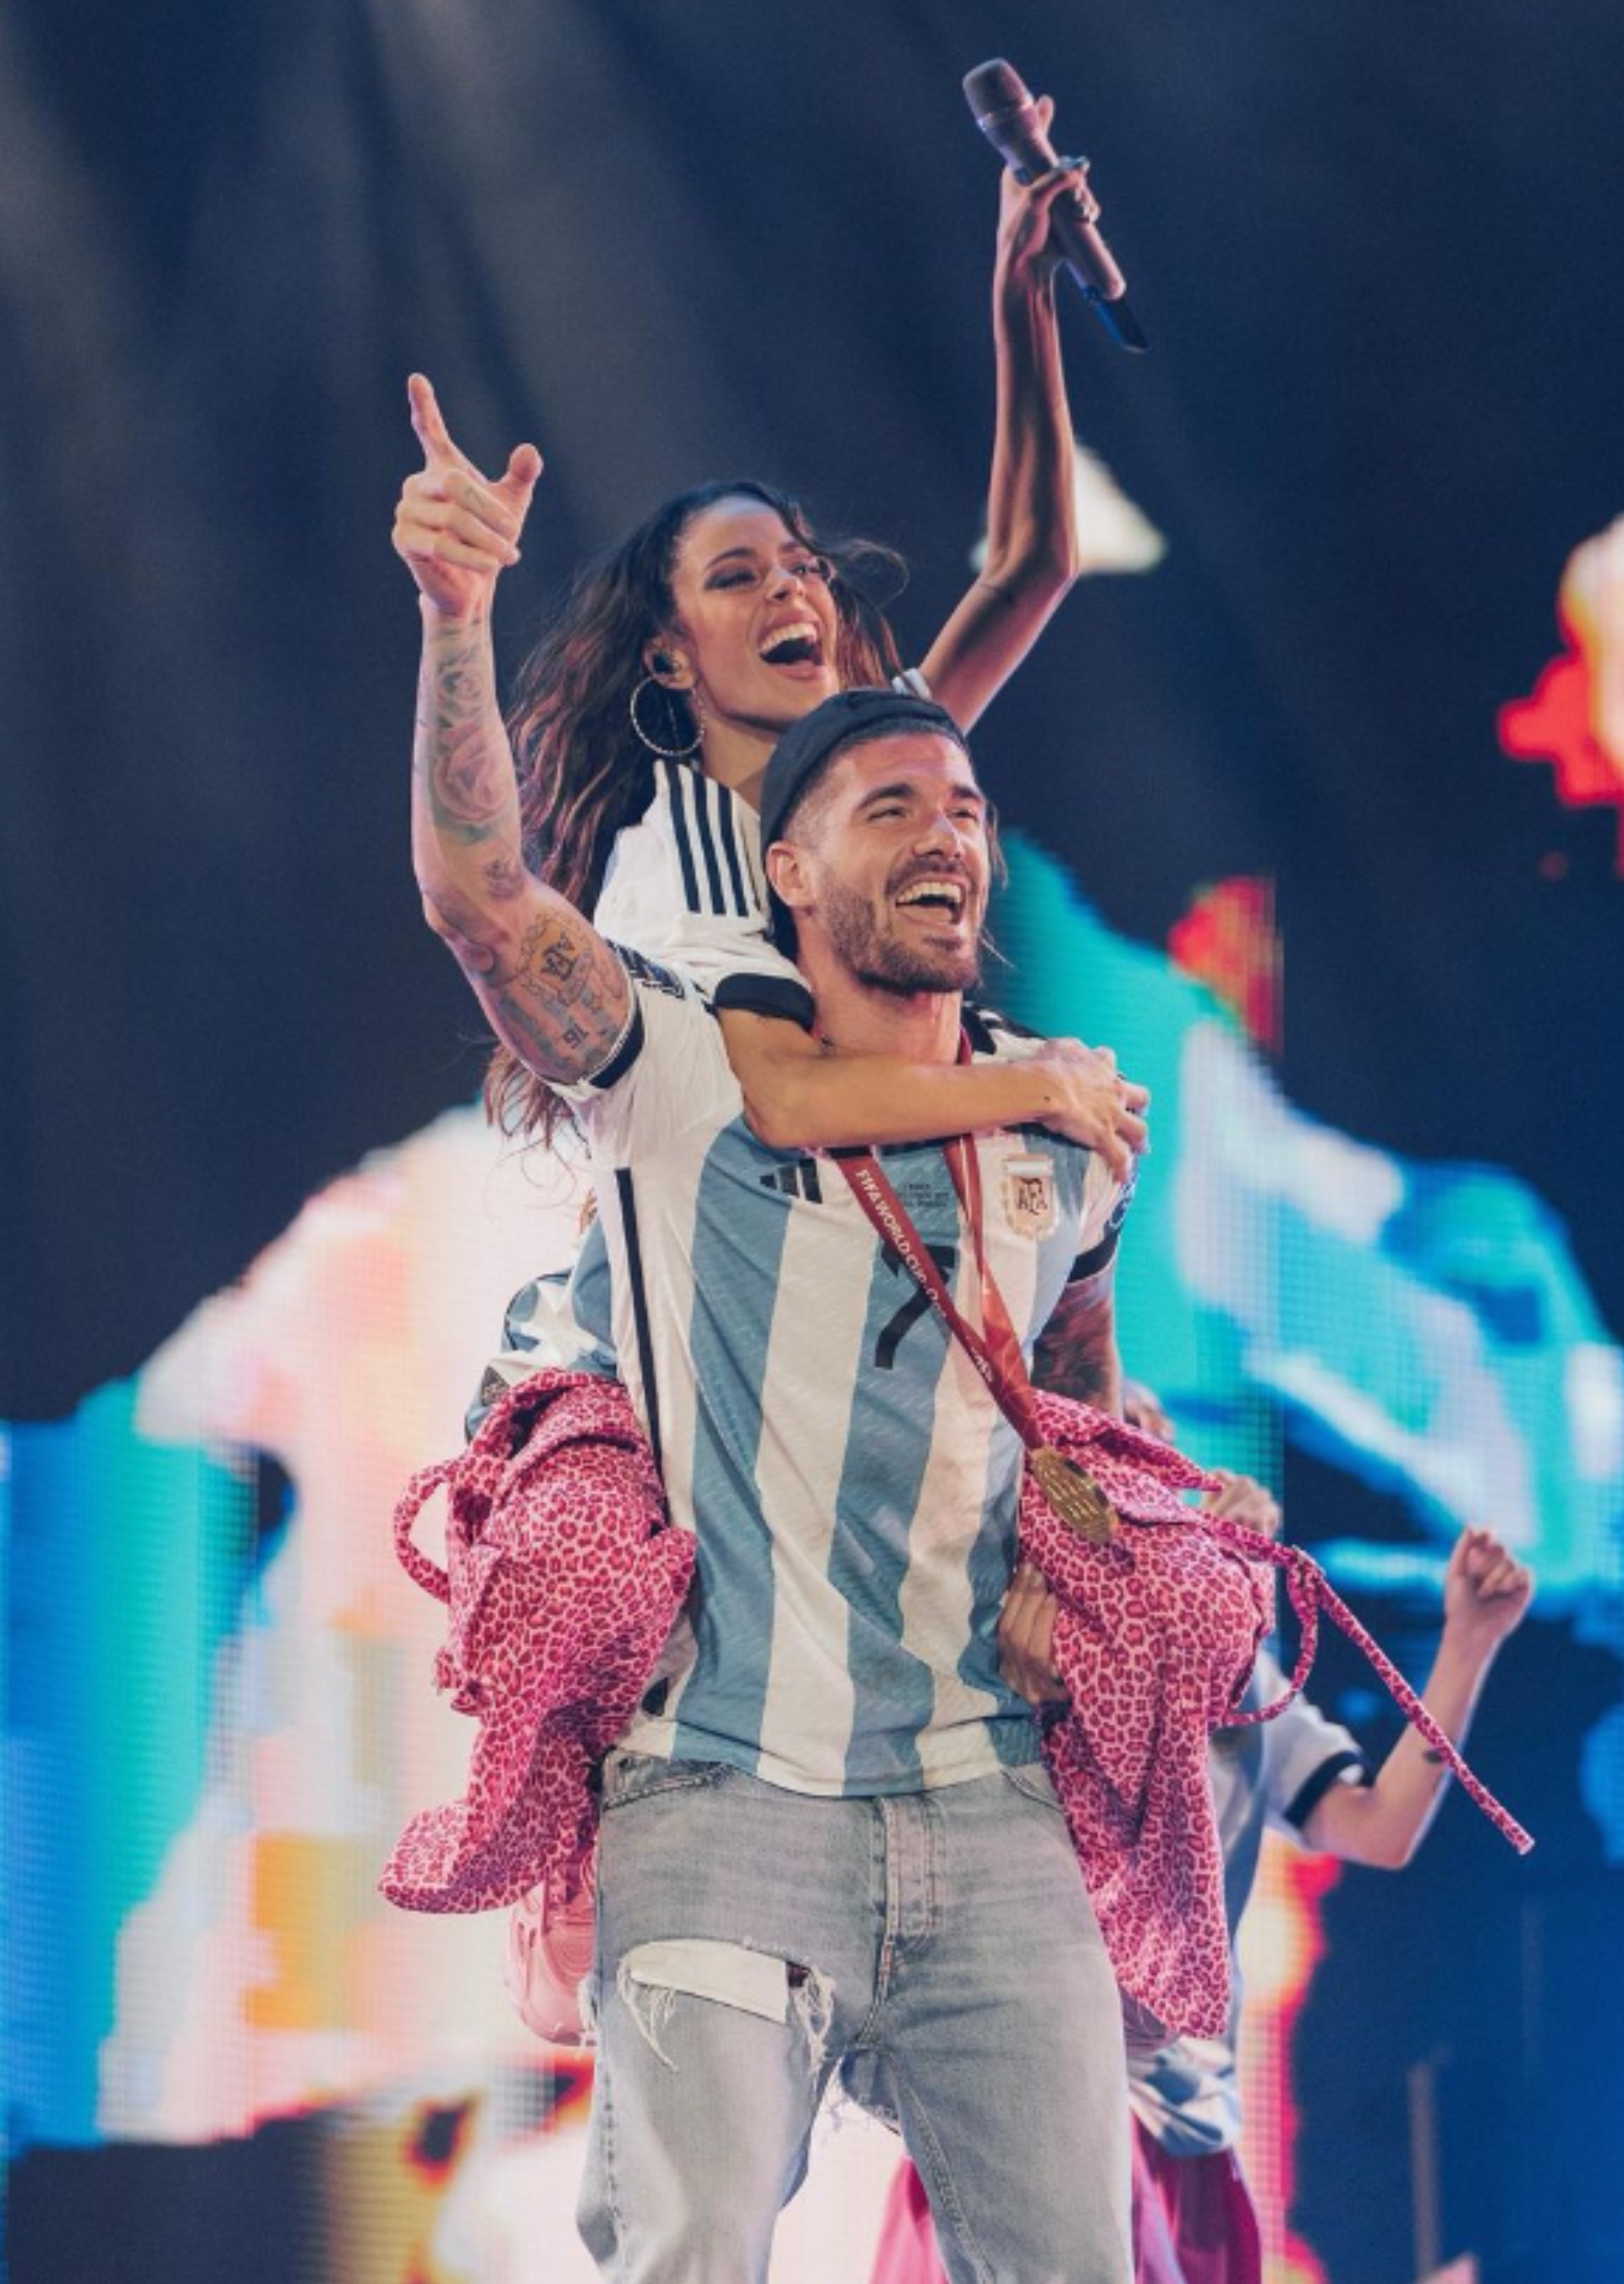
pixel 562 1321
pixel 851 1483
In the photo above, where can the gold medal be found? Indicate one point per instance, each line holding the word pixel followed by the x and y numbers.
pixel 1074 1495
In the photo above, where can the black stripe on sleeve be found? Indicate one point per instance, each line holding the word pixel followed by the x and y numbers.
pixel 756 864
pixel 1103 1249
pixel 703 788
pixel 742 903
pixel 764 995
pixel 639 1304
pixel 674 775
pixel 626 1054
pixel 1097 1256
pixel 1309 1795
pixel 984 1026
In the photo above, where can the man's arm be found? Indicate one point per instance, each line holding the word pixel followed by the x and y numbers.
pixel 1027 1623
pixel 1486 1594
pixel 1076 1351
pixel 1032 556
pixel 552 987
pixel 1075 1356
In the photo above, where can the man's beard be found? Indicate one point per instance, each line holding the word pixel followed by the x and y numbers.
pixel 880 959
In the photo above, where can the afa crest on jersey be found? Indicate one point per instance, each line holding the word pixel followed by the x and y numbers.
pixel 1031 1204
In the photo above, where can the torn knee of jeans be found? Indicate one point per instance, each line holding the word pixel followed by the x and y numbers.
pixel 653 1975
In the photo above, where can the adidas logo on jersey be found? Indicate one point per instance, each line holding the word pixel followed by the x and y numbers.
pixel 642 970
pixel 799 1180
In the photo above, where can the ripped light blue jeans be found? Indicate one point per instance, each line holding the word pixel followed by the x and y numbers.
pixel 937 1951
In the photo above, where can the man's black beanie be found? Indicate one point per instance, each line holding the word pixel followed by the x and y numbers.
pixel 801 752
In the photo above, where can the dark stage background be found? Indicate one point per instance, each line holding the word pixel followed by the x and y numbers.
pixel 1376 250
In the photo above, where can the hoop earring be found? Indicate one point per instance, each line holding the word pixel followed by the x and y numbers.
pixel 669 753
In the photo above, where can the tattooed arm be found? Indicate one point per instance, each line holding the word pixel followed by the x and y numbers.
pixel 1076 1352
pixel 1075 1356
pixel 551 987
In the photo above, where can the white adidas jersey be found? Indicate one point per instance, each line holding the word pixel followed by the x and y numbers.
pixel 852 1485
pixel 685 885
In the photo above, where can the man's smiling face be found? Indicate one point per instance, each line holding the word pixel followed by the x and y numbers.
pixel 889 860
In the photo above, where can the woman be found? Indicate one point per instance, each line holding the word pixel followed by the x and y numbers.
pixel 719 621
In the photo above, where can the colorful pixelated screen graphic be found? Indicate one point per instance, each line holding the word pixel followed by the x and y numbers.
pixel 1574 717
pixel 227 2057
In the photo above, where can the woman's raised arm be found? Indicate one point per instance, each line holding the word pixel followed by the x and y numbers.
pixel 1032 558
pixel 553 990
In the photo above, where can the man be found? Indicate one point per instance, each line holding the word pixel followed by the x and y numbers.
pixel 827 1842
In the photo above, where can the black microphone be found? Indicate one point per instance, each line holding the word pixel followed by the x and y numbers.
pixel 1006 114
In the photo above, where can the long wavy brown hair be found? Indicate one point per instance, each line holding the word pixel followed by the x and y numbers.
pixel 583 774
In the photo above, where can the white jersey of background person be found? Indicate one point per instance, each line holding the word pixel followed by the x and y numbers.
pixel 685 885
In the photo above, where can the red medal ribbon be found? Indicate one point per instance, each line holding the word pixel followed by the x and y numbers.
pixel 995 1352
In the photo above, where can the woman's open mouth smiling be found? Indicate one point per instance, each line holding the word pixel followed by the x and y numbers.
pixel 797 646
